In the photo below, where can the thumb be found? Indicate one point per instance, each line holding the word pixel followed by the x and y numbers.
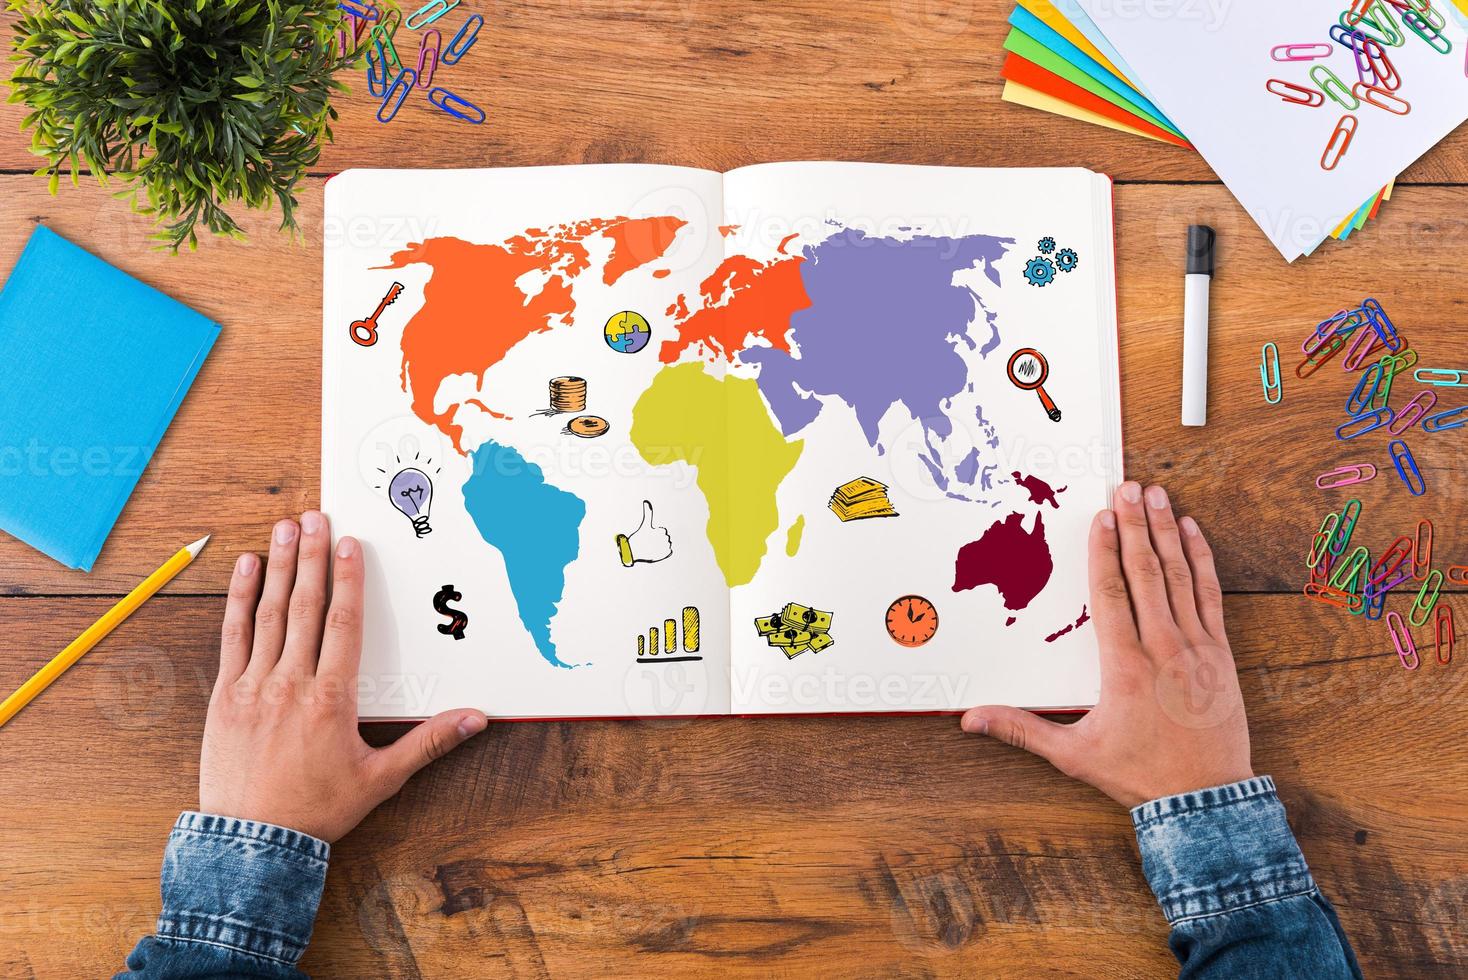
pixel 646 514
pixel 433 739
pixel 1022 729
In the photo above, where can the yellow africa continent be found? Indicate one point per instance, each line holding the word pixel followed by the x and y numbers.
pixel 719 427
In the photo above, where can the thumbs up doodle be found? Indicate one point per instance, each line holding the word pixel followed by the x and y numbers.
pixel 648 543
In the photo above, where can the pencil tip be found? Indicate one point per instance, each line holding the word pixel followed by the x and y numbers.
pixel 198 546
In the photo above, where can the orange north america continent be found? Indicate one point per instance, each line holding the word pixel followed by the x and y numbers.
pixel 474 310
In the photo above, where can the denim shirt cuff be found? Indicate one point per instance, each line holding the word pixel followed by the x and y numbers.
pixel 242 885
pixel 1220 849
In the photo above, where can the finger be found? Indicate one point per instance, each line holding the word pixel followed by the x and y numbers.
pixel 1166 542
pixel 341 647
pixel 308 596
pixel 1111 605
pixel 274 609
pixel 646 514
pixel 1020 728
pixel 434 739
pixel 238 631
pixel 1140 565
pixel 1206 587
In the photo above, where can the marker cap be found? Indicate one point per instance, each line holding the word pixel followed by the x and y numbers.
pixel 1200 250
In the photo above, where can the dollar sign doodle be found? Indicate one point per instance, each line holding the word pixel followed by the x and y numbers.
pixel 457 619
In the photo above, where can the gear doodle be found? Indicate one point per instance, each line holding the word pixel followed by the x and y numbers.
pixel 1047 245
pixel 1040 271
pixel 1067 259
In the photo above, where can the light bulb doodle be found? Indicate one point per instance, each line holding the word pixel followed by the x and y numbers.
pixel 1028 370
pixel 411 492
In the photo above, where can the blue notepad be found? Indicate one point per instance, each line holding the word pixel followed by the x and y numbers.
pixel 95 364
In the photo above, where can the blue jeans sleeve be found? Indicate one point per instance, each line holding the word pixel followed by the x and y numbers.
pixel 239 900
pixel 1235 888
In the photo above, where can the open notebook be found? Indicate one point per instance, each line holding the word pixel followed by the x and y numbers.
pixel 639 440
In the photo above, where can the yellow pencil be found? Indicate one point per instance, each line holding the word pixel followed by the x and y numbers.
pixel 98 630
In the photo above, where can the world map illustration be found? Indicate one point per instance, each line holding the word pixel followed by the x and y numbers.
pixel 812 327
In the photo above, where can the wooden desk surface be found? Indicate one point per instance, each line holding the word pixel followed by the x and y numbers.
pixel 855 847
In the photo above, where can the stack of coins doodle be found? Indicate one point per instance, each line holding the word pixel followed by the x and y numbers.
pixel 568 395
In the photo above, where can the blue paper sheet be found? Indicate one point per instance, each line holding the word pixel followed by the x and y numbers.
pixel 95 366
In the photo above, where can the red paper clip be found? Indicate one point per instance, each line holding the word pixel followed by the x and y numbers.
pixel 1332 596
pixel 1381 98
pixel 1296 94
pixel 1444 619
pixel 1300 52
pixel 1458 574
pixel 1345 476
pixel 1396 556
pixel 1402 640
pixel 1340 142
pixel 1422 551
pixel 1412 412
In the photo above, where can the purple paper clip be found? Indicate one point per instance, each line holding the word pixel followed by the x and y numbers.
pixel 463 40
pixel 1345 476
pixel 1368 422
pixel 1453 418
pixel 1412 412
pixel 401 85
pixel 1407 469
pixel 428 57
pixel 455 106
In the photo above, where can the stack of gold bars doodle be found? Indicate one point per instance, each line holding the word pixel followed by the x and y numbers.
pixel 860 499
pixel 796 629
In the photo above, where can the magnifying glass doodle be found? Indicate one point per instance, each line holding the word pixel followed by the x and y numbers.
pixel 1027 369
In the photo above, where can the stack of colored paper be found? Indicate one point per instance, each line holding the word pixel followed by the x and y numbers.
pixel 1060 62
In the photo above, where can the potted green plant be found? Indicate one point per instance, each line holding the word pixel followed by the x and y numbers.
pixel 195 105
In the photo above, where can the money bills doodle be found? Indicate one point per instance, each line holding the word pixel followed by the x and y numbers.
pixel 457 619
pixel 796 629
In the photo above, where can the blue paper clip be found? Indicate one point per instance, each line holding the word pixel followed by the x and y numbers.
pixel 1345 36
pixel 448 100
pixel 1402 457
pixel 1342 324
pixel 377 81
pixel 356 8
pixel 1375 598
pixel 428 13
pixel 382 37
pixel 1269 373
pixel 401 85
pixel 463 41
pixel 1360 400
pixel 1453 418
pixel 1441 377
pixel 1368 422
pixel 1380 322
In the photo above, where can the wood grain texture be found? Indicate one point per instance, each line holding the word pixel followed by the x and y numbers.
pixel 782 847
pixel 790 847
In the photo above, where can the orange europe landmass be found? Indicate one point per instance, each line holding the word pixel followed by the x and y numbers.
pixel 473 310
pixel 743 296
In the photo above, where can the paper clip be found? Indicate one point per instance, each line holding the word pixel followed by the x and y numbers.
pixel 1366 344
pixel 447 100
pixel 1374 600
pixel 1368 422
pixel 1381 66
pixel 1426 599
pixel 385 49
pixel 1429 31
pixel 463 40
pixel 1300 52
pixel 1361 48
pixel 1380 322
pixel 428 13
pixel 1269 373
pixel 355 8
pixel 1342 324
pixel 1350 568
pixel 1312 362
pixel 1444 625
pixel 1458 574
pixel 1388 32
pixel 1356 11
pixel 1332 596
pixel 1381 98
pixel 1321 572
pixel 1441 377
pixel 1345 36
pixel 401 85
pixel 1453 418
pixel 1359 401
pixel 1402 457
pixel 1357 587
pixel 1320 549
pixel 1412 412
pixel 1347 526
pixel 1387 565
pixel 377 80
pixel 1402 640
pixel 1330 83
pixel 1295 94
pixel 1345 476
pixel 1422 551
pixel 428 57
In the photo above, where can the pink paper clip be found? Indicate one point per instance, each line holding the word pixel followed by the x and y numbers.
pixel 1295 94
pixel 1443 629
pixel 428 57
pixel 1412 412
pixel 1300 52
pixel 1381 98
pixel 1345 476
pixel 1402 640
